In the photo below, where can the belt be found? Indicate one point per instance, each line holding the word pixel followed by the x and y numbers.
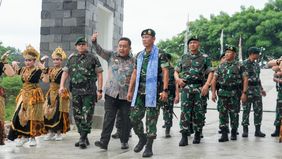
pixel 251 83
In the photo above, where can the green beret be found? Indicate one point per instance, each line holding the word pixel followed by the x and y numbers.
pixel 80 40
pixel 148 32
pixel 192 38
pixel 253 50
pixel 231 48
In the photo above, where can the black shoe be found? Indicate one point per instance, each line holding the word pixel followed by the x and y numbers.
pixel 77 143
pixel 184 140
pixel 101 145
pixel 245 131
pixel 258 132
pixel 276 132
pixel 197 138
pixel 124 146
pixel 116 135
pixel 233 134
pixel 141 143
pixel 224 135
pixel 82 141
pixel 148 149
pixel 164 126
pixel 167 132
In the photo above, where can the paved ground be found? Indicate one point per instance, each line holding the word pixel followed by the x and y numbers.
pixel 251 147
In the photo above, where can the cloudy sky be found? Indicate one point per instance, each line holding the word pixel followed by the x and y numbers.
pixel 20 19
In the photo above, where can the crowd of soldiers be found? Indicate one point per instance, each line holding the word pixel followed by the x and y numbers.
pixel 135 87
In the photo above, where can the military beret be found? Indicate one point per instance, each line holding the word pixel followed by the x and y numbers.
pixel 253 50
pixel 80 40
pixel 192 38
pixel 231 48
pixel 148 32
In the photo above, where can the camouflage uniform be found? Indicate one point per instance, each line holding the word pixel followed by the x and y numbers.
pixel 83 69
pixel 278 114
pixel 253 93
pixel 139 110
pixel 168 106
pixel 192 69
pixel 229 76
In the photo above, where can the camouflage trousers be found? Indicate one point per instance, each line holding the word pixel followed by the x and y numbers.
pixel 137 114
pixel 278 114
pixel 83 110
pixel 168 110
pixel 228 107
pixel 256 101
pixel 191 112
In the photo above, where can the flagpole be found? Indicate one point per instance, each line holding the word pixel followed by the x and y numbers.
pixel 240 49
pixel 221 42
pixel 186 35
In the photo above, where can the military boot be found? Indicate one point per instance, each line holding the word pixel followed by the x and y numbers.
pixel 141 143
pixel 82 142
pixel 258 133
pixel 148 149
pixel 224 135
pixel 184 139
pixel 245 131
pixel 276 132
pixel 167 132
pixel 233 134
pixel 197 137
pixel 116 135
pixel 87 142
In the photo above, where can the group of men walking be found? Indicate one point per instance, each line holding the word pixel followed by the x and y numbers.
pixel 141 85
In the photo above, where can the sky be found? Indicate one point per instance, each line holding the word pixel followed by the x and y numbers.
pixel 20 19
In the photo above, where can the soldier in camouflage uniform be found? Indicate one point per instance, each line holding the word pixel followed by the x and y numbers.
pixel 254 93
pixel 147 89
pixel 189 75
pixel 173 98
pixel 84 69
pixel 276 67
pixel 232 81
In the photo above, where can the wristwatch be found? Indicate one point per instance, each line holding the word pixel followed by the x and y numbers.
pixel 244 92
pixel 165 90
pixel 100 91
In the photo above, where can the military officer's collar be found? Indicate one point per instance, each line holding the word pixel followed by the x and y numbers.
pixel 194 55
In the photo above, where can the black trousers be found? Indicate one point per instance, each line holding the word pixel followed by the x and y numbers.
pixel 112 106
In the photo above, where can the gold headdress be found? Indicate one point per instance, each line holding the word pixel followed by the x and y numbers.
pixel 31 53
pixel 59 52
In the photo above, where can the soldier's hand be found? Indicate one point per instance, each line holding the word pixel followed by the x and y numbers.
pixel 244 98
pixel 4 57
pixel 61 90
pixel 163 96
pixel 205 90
pixel 180 82
pixel 176 99
pixel 214 98
pixel 129 96
pixel 263 93
pixel 94 37
pixel 99 95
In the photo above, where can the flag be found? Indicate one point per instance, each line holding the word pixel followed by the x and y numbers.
pixel 221 42
pixel 240 49
pixel 186 35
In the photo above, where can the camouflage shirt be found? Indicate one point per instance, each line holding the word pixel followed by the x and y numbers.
pixel 163 63
pixel 83 69
pixel 278 85
pixel 254 83
pixel 230 78
pixel 193 68
pixel 119 73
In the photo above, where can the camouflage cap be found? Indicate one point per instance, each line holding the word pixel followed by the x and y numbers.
pixel 148 32
pixel 192 38
pixel 253 50
pixel 80 40
pixel 231 48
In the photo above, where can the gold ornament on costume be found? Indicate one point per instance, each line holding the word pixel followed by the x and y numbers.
pixel 59 52
pixel 31 53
